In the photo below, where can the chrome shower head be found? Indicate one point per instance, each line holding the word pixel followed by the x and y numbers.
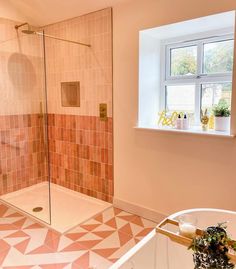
pixel 28 32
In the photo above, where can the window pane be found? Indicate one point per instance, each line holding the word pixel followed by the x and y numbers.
pixel 180 98
pixel 213 93
pixel 218 57
pixel 183 61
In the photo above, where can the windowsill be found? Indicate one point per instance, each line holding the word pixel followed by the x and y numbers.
pixel 192 130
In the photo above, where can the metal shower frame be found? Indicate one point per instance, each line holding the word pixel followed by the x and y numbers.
pixel 49 36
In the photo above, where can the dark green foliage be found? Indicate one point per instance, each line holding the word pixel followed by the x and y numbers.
pixel 220 59
pixel 210 249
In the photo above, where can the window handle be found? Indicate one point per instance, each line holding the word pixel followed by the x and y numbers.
pixel 202 75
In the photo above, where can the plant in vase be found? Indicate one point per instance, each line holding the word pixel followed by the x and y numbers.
pixel 222 116
pixel 211 249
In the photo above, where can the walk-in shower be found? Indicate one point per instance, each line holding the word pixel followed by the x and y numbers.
pixel 56 158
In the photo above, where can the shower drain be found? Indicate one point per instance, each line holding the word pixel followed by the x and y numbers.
pixel 37 209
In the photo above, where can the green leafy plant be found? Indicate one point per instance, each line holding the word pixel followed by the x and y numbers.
pixel 222 109
pixel 211 248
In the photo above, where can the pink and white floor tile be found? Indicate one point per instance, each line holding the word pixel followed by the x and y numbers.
pixel 97 243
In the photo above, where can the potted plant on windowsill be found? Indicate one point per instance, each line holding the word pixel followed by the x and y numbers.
pixel 222 116
pixel 212 247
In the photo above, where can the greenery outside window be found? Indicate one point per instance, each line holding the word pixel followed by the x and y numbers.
pixel 198 73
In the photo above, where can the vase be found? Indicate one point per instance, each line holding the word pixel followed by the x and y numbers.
pixel 205 127
pixel 222 124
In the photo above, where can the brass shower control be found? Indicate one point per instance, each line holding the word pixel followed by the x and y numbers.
pixel 103 111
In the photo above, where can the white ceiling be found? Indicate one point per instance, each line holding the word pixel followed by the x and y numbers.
pixel 44 12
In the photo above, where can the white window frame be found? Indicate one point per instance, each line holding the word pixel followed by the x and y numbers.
pixel 199 78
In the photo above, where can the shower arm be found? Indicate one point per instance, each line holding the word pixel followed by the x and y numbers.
pixel 20 25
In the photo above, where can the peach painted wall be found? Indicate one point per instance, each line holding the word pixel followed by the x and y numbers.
pixel 10 12
pixel 161 171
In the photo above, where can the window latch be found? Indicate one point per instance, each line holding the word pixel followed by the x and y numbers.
pixel 202 75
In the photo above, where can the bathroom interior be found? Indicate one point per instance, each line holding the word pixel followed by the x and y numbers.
pixel 110 141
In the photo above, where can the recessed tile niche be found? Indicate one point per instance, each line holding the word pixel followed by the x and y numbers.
pixel 70 94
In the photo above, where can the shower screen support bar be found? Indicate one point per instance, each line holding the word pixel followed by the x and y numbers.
pixel 29 31
pixel 62 39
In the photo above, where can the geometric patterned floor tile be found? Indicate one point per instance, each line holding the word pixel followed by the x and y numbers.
pixel 97 243
pixel 92 260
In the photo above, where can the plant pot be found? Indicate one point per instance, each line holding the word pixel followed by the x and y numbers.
pixel 222 124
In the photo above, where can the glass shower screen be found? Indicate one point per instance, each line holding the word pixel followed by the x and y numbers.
pixel 24 152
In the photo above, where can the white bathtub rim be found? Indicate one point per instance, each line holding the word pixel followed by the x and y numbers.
pixel 133 250
pixel 189 211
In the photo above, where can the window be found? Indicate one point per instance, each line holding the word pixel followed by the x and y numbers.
pixel 198 73
pixel 185 67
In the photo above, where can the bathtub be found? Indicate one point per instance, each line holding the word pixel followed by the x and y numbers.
pixel 156 251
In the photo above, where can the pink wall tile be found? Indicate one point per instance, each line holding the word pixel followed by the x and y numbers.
pixel 84 164
pixel 22 152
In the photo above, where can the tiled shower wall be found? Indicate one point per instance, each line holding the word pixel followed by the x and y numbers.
pixel 22 152
pixel 22 143
pixel 81 154
pixel 81 146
